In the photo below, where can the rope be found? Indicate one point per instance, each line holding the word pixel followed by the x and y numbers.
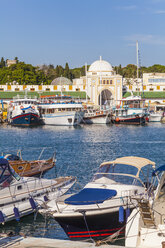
pixel 83 212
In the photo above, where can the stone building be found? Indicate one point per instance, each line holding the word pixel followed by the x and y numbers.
pixel 101 83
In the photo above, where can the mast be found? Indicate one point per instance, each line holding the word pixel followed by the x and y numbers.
pixel 137 57
pixel 139 66
pixel 100 83
pixel 86 82
pixel 61 86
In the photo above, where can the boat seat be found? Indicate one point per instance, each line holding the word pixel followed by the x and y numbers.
pixel 90 196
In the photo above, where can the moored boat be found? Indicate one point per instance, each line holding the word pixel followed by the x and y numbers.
pixel 94 115
pixel 24 112
pixel 130 111
pixel 155 116
pixel 27 168
pixel 61 111
pixel 20 196
pixel 101 208
pixel 146 225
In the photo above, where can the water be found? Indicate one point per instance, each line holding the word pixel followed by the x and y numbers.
pixel 79 152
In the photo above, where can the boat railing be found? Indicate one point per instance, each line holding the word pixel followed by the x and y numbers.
pixel 125 201
pixel 160 215
pixel 24 97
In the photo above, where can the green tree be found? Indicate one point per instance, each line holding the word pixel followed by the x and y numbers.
pixel 2 63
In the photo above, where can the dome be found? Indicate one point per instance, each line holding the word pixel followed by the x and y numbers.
pixel 100 65
pixel 61 81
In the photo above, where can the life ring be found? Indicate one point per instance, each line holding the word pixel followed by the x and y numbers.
pixel 33 107
pixel 117 119
pixel 21 107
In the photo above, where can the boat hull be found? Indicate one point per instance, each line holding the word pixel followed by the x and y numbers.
pixel 63 119
pixel 97 119
pixel 29 119
pixel 96 226
pixel 155 118
pixel 133 120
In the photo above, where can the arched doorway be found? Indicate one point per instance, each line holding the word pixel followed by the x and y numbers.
pixel 105 97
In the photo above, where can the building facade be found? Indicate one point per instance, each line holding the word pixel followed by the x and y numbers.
pixel 101 83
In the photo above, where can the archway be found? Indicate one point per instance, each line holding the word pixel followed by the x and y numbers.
pixel 105 96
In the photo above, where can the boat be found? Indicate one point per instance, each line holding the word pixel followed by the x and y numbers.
pixel 27 168
pixel 20 196
pixel 130 111
pixel 24 112
pixel 146 225
pixel 103 205
pixel 93 115
pixel 61 110
pixel 155 116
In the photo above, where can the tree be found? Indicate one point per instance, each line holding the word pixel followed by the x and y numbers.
pixel 2 63
pixel 16 58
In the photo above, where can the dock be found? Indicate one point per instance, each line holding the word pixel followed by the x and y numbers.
pixel 32 242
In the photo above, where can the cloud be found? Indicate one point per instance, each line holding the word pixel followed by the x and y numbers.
pixel 146 39
pixel 127 8
pixel 158 12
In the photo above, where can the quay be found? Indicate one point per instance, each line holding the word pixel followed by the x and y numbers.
pixel 31 242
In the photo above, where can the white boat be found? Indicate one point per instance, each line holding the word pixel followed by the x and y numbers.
pixel 61 110
pixel 103 205
pixel 146 225
pixel 94 115
pixel 20 196
pixel 24 112
pixel 155 116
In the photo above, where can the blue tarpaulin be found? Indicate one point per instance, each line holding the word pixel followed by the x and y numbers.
pixel 90 196
pixel 158 170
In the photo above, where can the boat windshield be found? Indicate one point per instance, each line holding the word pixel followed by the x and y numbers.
pixel 6 173
pixel 119 173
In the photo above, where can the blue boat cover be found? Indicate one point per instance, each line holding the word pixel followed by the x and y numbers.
pixel 90 196
pixel 3 161
pixel 158 170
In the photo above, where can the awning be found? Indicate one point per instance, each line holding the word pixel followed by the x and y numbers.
pixel 90 196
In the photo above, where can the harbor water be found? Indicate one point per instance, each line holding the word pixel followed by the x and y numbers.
pixel 79 152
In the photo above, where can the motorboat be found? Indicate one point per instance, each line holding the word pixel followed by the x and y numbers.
pixel 155 116
pixel 61 110
pixel 24 112
pixel 20 196
pixel 27 168
pixel 101 208
pixel 93 115
pixel 146 225
pixel 130 111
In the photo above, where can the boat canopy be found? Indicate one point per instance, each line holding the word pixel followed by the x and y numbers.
pixel 90 196
pixel 137 162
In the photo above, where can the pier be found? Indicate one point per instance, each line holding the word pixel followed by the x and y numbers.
pixel 31 242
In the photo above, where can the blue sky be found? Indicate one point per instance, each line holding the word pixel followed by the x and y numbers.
pixel 79 31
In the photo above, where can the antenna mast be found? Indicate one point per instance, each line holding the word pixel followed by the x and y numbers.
pixel 86 82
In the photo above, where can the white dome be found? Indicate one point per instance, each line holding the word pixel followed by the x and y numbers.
pixel 100 65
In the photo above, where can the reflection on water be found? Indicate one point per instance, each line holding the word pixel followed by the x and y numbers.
pixel 79 152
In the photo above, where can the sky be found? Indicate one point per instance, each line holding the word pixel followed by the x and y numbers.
pixel 80 31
